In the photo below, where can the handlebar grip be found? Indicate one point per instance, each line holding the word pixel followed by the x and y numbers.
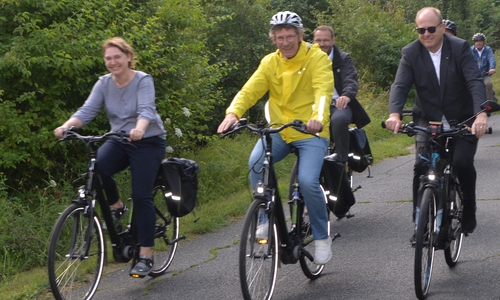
pixel 383 124
pixel 489 130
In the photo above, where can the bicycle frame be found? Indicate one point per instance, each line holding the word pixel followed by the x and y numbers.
pixel 438 176
pixel 267 190
pixel 93 192
pixel 273 202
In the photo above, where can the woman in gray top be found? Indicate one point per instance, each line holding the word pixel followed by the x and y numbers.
pixel 128 97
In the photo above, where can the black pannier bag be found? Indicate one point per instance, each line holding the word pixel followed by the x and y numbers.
pixel 337 187
pixel 360 154
pixel 181 185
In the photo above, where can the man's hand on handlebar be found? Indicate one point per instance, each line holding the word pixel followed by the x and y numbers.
pixel 393 123
pixel 480 125
pixel 228 121
pixel 314 126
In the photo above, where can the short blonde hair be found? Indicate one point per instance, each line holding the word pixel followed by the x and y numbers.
pixel 124 47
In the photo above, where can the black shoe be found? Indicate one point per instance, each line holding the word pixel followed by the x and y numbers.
pixel 118 213
pixel 440 240
pixel 143 267
pixel 469 220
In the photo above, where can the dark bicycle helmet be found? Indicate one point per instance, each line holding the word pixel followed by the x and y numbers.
pixel 286 18
pixel 450 25
pixel 478 37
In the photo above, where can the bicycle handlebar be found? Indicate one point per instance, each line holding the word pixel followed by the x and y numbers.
pixel 411 129
pixel 263 130
pixel 69 134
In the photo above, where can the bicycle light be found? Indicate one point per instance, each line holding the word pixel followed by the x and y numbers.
pixel 259 189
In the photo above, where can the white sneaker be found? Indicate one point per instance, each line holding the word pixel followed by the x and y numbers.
pixel 322 251
pixel 262 231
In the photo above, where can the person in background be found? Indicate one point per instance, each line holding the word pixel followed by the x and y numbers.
pixel 449 88
pixel 345 108
pixel 486 63
pixel 128 96
pixel 451 28
pixel 299 80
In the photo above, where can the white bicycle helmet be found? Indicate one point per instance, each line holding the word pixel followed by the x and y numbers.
pixel 479 37
pixel 286 18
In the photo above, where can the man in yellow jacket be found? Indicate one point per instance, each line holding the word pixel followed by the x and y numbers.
pixel 299 80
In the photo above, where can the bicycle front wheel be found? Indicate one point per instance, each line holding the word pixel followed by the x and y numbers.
pixel 76 254
pixel 424 249
pixel 166 234
pixel 452 252
pixel 258 257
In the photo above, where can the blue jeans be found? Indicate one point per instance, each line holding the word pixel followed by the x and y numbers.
pixel 311 153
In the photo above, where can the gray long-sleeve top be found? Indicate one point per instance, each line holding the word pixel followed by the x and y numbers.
pixel 124 106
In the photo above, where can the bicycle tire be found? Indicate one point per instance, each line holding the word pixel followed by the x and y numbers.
pixel 71 274
pixel 258 262
pixel 424 249
pixel 309 268
pixel 166 231
pixel 452 252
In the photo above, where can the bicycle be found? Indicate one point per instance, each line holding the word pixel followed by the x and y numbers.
pixel 77 249
pixel 439 207
pixel 259 256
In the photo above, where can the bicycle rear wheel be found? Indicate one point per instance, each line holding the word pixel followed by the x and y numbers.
pixel 73 272
pixel 166 234
pixel 452 252
pixel 310 269
pixel 424 249
pixel 258 257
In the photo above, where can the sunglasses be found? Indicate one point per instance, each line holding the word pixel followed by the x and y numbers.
pixel 431 29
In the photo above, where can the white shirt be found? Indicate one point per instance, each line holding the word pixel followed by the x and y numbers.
pixel 436 60
pixel 335 94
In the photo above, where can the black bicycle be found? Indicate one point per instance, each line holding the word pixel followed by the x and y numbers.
pixel 266 239
pixel 439 207
pixel 77 249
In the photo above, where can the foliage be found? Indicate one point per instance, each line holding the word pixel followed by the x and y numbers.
pixel 51 57
pixel 373 35
pixel 238 37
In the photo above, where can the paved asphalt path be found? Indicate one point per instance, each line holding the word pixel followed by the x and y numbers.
pixel 372 260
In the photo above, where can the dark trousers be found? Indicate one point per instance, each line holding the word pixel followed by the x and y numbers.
pixel 464 150
pixel 144 158
pixel 340 119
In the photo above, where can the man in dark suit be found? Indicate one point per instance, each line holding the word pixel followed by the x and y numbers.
pixel 345 108
pixel 449 89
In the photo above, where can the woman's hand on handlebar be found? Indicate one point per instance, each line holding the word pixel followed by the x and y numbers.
pixel 393 123
pixel 59 132
pixel 228 121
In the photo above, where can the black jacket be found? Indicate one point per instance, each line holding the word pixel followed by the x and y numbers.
pixel 459 93
pixel 346 84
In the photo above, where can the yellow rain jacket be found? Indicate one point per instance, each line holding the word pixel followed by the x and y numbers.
pixel 299 88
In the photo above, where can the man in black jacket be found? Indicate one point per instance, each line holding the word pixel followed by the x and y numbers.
pixel 345 108
pixel 449 88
